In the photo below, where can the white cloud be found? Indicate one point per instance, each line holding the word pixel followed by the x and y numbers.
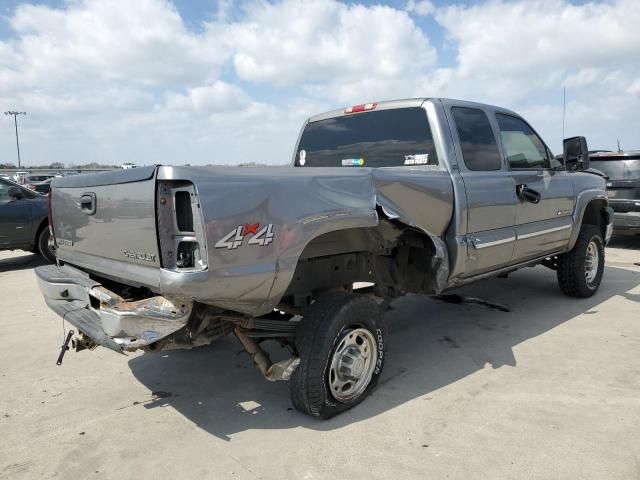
pixel 214 98
pixel 534 35
pixel 141 42
pixel 225 8
pixel 319 41
pixel 634 88
pixel 583 78
pixel 422 8
pixel 520 54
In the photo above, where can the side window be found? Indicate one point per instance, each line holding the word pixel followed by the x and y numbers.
pixel 522 146
pixel 478 144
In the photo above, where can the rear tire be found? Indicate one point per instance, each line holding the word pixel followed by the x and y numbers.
pixel 49 253
pixel 580 270
pixel 341 342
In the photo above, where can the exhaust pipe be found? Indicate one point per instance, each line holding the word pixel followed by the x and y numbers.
pixel 271 371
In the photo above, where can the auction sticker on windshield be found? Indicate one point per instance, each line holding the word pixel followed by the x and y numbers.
pixel 352 162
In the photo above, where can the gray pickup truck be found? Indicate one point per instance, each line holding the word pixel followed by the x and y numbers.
pixel 421 195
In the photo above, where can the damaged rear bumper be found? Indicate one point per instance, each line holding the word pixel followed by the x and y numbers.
pixel 104 316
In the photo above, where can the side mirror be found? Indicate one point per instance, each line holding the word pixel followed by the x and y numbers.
pixel 15 193
pixel 575 154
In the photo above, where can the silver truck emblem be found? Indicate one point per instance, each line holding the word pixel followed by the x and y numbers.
pixel 147 257
pixel 235 237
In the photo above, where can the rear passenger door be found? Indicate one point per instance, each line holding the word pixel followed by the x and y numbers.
pixel 545 226
pixel 490 190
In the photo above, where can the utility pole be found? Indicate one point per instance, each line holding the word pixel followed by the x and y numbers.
pixel 564 107
pixel 15 122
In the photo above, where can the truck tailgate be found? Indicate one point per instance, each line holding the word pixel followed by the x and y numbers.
pixel 106 222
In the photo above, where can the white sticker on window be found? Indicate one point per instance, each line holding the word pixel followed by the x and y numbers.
pixel 417 159
pixel 302 159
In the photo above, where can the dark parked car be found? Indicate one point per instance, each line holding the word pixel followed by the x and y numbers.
pixel 623 187
pixel 23 220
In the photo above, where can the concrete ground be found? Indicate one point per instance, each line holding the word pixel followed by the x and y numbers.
pixel 548 390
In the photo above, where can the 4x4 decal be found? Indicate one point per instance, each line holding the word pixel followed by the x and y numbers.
pixel 236 236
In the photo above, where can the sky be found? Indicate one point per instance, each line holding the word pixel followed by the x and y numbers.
pixel 227 82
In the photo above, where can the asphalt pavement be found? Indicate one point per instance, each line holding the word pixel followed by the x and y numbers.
pixel 505 379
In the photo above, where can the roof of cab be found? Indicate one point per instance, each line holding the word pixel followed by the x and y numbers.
pixel 408 103
pixel 615 155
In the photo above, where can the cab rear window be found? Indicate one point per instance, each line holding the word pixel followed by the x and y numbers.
pixel 384 138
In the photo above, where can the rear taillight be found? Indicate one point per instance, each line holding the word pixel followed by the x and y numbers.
pixel 361 108
pixel 181 238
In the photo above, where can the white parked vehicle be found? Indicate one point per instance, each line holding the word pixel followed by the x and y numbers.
pixel 18 177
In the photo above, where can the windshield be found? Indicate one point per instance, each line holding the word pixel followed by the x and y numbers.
pixel 618 168
pixel 383 138
pixel 38 178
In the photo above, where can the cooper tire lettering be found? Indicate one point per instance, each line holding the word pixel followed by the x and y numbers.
pixel 380 339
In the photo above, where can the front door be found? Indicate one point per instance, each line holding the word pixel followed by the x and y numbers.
pixel 545 196
pixel 15 219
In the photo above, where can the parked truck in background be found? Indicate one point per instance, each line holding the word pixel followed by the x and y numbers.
pixel 419 195
pixel 623 187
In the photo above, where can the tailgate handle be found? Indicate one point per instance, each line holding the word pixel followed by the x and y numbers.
pixel 88 203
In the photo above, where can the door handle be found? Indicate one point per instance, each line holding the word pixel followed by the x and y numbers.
pixel 527 194
pixel 88 203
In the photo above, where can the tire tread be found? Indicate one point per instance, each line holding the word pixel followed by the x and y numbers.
pixel 570 271
pixel 315 335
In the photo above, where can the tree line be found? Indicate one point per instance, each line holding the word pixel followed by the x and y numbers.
pixel 59 166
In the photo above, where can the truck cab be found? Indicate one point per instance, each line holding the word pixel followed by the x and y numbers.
pixel 513 201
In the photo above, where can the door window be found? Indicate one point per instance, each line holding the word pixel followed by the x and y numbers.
pixel 522 146
pixel 4 192
pixel 477 141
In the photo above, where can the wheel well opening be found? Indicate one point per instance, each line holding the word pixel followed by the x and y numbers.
pixel 593 215
pixel 392 257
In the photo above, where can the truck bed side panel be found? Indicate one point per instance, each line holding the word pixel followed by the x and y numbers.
pixel 300 204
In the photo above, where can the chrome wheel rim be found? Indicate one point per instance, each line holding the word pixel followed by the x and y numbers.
pixel 52 247
pixel 352 364
pixel 592 262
